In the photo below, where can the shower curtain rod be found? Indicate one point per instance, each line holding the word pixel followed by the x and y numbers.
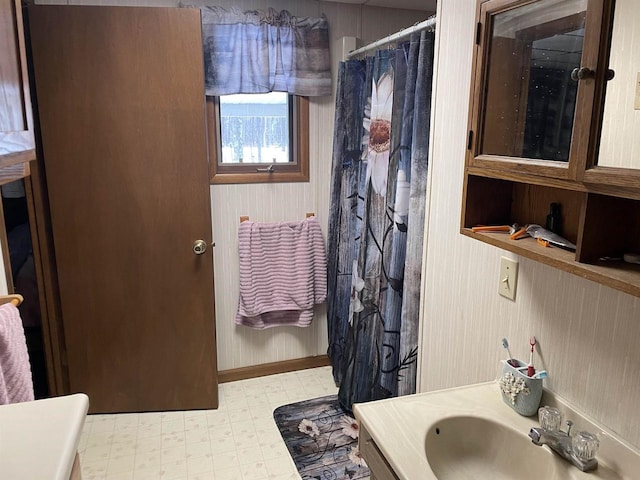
pixel 428 23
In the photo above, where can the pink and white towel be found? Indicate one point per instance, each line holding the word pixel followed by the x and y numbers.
pixel 16 384
pixel 283 273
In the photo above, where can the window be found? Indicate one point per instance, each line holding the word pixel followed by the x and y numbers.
pixel 258 138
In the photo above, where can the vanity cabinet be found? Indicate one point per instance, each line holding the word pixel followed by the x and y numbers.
pixel 379 468
pixel 17 146
pixel 550 102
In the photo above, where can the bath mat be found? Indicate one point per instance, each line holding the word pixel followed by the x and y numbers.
pixel 322 439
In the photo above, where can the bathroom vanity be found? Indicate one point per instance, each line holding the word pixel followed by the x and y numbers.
pixel 40 438
pixel 470 433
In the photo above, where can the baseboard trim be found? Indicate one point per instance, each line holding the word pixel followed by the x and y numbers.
pixel 264 369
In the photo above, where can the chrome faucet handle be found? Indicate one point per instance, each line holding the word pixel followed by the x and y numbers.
pixel 549 418
pixel 569 425
pixel 584 446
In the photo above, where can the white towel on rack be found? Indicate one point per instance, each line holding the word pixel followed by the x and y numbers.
pixel 283 273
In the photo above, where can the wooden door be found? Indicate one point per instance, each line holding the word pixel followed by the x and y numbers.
pixel 122 114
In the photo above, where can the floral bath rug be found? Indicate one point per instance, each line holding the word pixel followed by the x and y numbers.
pixel 322 439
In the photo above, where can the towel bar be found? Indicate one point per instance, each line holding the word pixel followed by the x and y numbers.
pixel 245 218
pixel 14 298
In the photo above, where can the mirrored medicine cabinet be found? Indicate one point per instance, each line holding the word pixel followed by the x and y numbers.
pixel 554 117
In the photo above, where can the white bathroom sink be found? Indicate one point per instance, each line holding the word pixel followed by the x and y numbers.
pixel 463 447
pixel 470 433
pixel 466 447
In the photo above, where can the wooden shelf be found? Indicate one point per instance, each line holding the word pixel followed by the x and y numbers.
pixel 619 275
pixel 520 177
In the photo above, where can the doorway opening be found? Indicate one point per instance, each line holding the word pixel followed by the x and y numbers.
pixel 21 277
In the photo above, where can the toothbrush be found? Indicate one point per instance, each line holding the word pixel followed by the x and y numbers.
pixel 510 360
pixel 530 370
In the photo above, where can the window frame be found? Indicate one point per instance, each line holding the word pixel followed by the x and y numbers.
pixel 297 171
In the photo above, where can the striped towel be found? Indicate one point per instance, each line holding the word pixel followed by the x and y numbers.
pixel 16 384
pixel 283 273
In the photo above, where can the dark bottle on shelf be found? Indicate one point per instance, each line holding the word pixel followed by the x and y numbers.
pixel 553 219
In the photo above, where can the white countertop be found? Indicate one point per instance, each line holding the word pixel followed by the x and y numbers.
pixel 399 427
pixel 39 439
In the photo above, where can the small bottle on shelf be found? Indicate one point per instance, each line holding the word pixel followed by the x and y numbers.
pixel 553 219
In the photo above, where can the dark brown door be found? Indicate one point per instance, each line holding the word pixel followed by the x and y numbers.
pixel 122 115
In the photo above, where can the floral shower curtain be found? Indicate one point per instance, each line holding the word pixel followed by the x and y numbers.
pixel 378 194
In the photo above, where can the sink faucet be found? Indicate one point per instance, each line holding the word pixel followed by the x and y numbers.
pixel 560 442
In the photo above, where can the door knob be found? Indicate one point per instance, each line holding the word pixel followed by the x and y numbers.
pixel 582 74
pixel 199 247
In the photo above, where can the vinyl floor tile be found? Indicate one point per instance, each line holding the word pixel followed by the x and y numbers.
pixel 238 441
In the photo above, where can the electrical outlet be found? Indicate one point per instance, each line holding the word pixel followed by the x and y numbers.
pixel 508 278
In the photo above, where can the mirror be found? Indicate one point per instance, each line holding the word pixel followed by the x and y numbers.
pixel 530 95
pixel 620 137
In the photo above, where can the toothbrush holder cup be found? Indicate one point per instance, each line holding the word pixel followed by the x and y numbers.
pixel 520 392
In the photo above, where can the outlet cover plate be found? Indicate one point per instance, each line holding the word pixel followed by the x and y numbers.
pixel 508 278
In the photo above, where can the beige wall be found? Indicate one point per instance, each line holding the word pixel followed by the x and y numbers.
pixel 588 334
pixel 241 346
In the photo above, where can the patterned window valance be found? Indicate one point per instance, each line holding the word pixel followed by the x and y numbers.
pixel 259 52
